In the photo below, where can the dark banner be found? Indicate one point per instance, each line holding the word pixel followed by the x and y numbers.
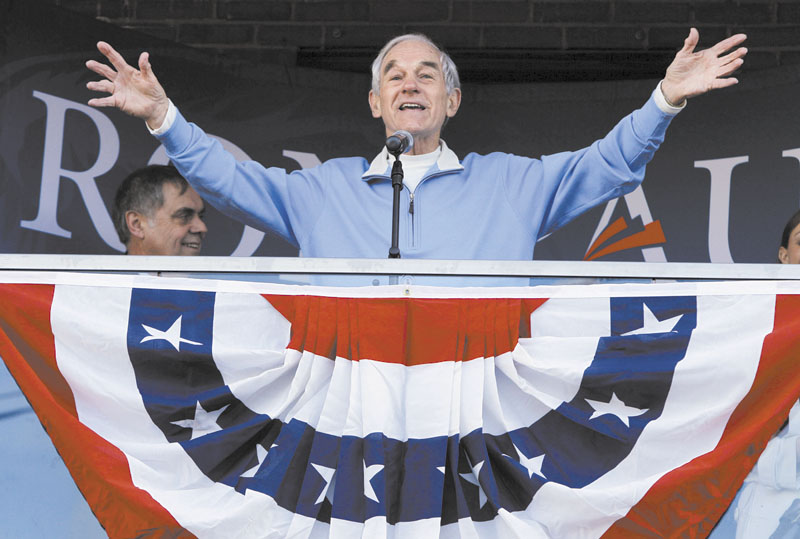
pixel 720 188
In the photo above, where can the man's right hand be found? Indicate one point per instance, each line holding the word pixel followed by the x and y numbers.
pixel 134 91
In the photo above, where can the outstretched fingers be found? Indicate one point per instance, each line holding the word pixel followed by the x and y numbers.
pixel 730 66
pixel 101 86
pixel 101 69
pixel 730 62
pixel 107 101
pixel 724 83
pixel 113 56
pixel 727 44
pixel 727 64
pixel 733 56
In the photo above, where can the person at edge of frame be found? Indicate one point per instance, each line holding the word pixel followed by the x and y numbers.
pixel 768 504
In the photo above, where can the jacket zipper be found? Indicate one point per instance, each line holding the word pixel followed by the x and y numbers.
pixel 413 241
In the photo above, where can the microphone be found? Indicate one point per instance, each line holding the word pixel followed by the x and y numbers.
pixel 400 142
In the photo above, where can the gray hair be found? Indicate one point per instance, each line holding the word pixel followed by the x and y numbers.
pixel 451 80
pixel 143 192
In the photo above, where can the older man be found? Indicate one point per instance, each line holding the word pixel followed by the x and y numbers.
pixel 480 207
pixel 156 212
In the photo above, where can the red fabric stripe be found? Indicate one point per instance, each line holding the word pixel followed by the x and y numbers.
pixel 689 501
pixel 99 469
pixel 407 331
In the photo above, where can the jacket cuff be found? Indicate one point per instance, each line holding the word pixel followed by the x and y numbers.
pixel 169 119
pixel 664 105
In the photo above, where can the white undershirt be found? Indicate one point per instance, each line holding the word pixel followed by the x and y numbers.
pixel 415 166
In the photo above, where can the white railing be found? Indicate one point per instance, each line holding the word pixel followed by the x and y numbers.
pixel 358 266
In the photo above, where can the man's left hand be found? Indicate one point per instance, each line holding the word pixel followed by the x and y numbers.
pixel 694 73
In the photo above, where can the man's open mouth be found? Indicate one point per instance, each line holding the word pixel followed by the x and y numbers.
pixel 191 245
pixel 411 106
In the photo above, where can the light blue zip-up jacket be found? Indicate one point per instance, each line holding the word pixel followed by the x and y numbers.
pixel 492 206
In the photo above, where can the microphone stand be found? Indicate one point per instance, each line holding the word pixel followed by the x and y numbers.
pixel 397 185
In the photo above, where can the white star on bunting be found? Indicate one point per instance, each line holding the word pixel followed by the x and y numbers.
pixel 172 335
pixel 261 454
pixel 203 422
pixel 615 407
pixel 327 475
pixel 472 477
pixel 653 325
pixel 533 465
pixel 370 472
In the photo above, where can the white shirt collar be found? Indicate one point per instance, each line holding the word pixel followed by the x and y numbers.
pixel 380 166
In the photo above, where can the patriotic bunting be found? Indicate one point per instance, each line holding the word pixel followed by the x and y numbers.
pixel 194 408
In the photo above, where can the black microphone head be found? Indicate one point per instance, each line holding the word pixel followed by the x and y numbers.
pixel 399 142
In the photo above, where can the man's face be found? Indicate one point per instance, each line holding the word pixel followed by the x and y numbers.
pixel 413 96
pixel 176 228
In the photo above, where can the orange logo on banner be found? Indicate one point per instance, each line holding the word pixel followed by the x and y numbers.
pixel 651 235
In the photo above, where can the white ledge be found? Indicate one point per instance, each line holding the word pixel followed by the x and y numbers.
pixel 340 266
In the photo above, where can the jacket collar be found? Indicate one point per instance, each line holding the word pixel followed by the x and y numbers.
pixel 381 166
